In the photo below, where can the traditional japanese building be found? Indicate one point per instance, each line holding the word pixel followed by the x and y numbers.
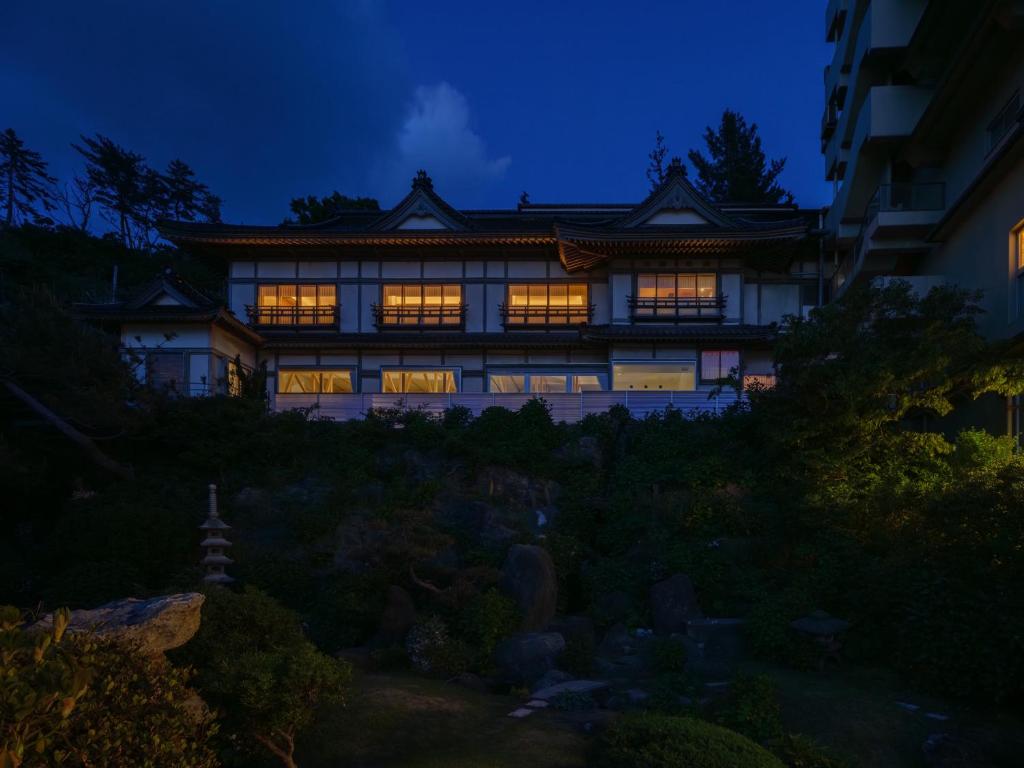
pixel 586 305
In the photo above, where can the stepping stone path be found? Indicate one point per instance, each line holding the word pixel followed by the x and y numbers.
pixel 572 686
pixel 520 713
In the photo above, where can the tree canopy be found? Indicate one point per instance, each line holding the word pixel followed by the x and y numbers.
pixel 736 169
pixel 312 209
pixel 25 186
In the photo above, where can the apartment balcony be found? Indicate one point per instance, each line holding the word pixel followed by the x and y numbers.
pixel 677 309
pixel 443 317
pixel 896 222
pixel 302 317
pixel 564 406
pixel 513 317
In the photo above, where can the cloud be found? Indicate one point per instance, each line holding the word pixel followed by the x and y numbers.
pixel 436 135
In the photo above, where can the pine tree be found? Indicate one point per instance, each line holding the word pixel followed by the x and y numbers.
pixel 656 166
pixel 124 184
pixel 312 209
pixel 187 198
pixel 737 169
pixel 24 183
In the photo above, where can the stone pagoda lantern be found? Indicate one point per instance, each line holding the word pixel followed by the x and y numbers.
pixel 215 544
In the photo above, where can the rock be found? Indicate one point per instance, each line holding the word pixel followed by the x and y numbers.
pixel 525 657
pixel 397 619
pixel 152 626
pixel 944 750
pixel 529 578
pixel 575 629
pixel 590 687
pixel 673 603
pixel 719 640
pixel 552 677
pixel 617 642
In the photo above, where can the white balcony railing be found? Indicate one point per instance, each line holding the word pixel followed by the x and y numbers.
pixel 565 406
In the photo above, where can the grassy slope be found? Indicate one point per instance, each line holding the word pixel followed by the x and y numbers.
pixel 399 720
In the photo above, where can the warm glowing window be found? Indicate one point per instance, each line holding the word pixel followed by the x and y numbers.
pixel 296 381
pixel 663 294
pixel 1020 249
pixel 416 304
pixel 398 380
pixel 293 304
pixel 547 304
pixel 234 379
pixel 759 381
pixel 544 383
pixel 586 383
pixel 677 377
pixel 1018 244
pixel 508 383
pixel 717 364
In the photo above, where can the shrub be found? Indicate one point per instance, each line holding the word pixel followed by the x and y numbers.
pixel 752 708
pixel 668 654
pixel 578 656
pixel 433 650
pixel 671 692
pixel 77 700
pixel 488 618
pixel 573 701
pixel 798 751
pixel 663 741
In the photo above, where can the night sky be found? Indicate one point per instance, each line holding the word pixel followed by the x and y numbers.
pixel 270 100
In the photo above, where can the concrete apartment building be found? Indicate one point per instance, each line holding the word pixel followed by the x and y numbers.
pixel 923 139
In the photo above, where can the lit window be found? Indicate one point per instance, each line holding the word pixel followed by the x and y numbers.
pixel 507 384
pixel 674 294
pixel 759 381
pixel 677 377
pixel 290 304
pixel 586 383
pixel 415 304
pixel 718 364
pixel 547 304
pixel 166 370
pixel 313 382
pixel 397 380
pixel 539 383
pixel 1018 241
pixel 234 379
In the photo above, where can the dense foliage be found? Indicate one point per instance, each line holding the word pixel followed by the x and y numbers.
pixel 664 741
pixel 79 701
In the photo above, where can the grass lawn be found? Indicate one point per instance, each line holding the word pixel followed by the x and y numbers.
pixel 854 711
pixel 399 720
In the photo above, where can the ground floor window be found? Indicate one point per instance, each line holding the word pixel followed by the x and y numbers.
pixel 717 364
pixel 545 383
pixel 296 381
pixel 166 370
pixel 419 381
pixel 667 377
pixel 758 381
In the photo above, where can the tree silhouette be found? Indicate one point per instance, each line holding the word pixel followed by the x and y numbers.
pixel 737 170
pixel 656 164
pixel 312 209
pixel 123 184
pixel 24 183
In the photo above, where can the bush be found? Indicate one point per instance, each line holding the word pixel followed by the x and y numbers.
pixel 76 700
pixel 752 708
pixel 573 701
pixel 668 654
pixel 488 618
pixel 663 741
pixel 578 656
pixel 798 751
pixel 670 694
pixel 433 650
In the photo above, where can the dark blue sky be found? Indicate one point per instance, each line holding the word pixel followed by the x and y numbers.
pixel 269 100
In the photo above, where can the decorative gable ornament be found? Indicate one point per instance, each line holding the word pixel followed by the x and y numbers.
pixel 422 209
pixel 676 202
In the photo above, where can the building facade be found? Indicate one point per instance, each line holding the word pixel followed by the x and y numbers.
pixel 647 305
pixel 923 139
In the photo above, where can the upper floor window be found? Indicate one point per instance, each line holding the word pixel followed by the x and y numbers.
pixel 292 304
pixel 547 304
pixel 313 381
pixel 1018 260
pixel 674 296
pixel 520 383
pixel 1003 122
pixel 418 304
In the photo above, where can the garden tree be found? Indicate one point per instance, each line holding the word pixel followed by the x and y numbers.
pixel 76 700
pixel 736 169
pixel 76 198
pixel 24 182
pixel 312 209
pixel 656 164
pixel 185 197
pixel 255 663
pixel 122 181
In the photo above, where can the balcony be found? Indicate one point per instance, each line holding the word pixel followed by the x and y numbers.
pixel 676 309
pixel 318 317
pixel 897 219
pixel 445 317
pixel 545 316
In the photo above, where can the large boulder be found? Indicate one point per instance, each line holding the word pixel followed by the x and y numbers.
pixel 152 626
pixel 525 657
pixel 529 578
pixel 397 618
pixel 673 603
